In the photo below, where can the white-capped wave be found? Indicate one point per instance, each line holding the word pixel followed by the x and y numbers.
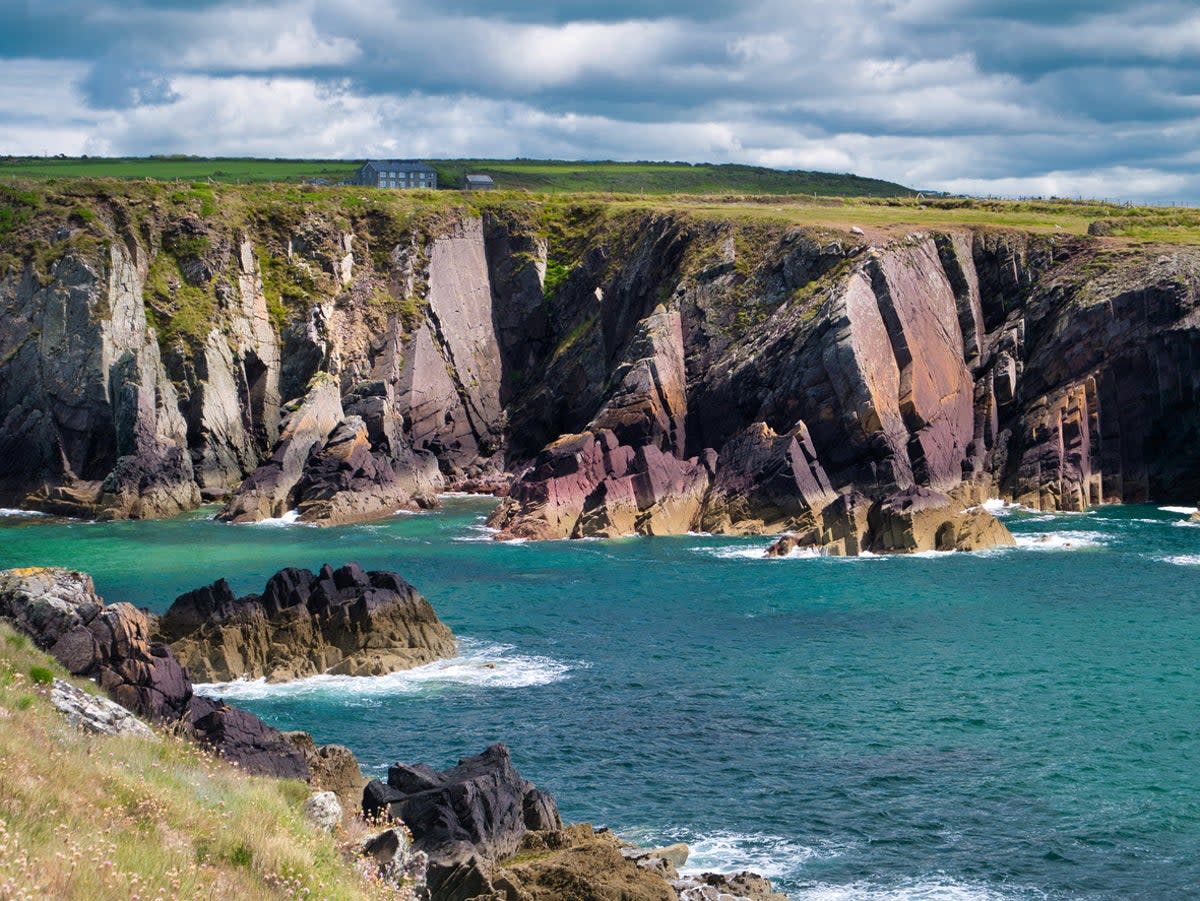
pixel 12 511
pixel 479 664
pixel 999 507
pixel 1060 541
pixel 732 852
pixel 1182 559
pixel 288 519
pixel 932 889
pixel 733 553
pixel 464 494
pixel 1186 511
pixel 478 532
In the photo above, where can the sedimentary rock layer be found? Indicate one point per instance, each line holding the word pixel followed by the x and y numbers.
pixel 637 372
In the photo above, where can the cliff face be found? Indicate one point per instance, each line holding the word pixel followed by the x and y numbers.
pixel 639 372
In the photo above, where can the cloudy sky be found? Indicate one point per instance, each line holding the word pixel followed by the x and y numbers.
pixel 1091 97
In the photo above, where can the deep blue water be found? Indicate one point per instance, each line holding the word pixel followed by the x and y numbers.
pixel 1016 724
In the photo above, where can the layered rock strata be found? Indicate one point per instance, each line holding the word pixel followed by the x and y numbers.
pixel 344 622
pixel 336 465
pixel 641 373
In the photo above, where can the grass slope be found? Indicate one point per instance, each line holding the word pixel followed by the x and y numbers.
pixel 102 818
pixel 539 176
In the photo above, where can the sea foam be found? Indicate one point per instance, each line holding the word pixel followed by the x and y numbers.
pixel 1186 511
pixel 479 664
pixel 1060 541
pixel 931 889
pixel 1183 559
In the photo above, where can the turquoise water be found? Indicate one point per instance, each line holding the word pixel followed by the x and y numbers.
pixel 1010 725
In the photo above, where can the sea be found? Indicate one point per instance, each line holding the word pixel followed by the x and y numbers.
pixel 1021 723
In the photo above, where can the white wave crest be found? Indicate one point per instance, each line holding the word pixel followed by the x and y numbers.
pixel 933 889
pixel 479 664
pixel 1186 511
pixel 999 507
pixel 292 517
pixel 734 553
pixel 732 852
pixel 1060 541
pixel 12 511
pixel 1183 559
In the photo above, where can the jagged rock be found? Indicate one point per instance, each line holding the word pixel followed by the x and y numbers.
pixel 241 738
pixel 1039 368
pixel 95 714
pixel 332 768
pixel 336 465
pixel 89 414
pixel 466 818
pixel 323 810
pixel 911 521
pixel 267 492
pixel 766 482
pixel 343 621
pixel 578 863
pixel 60 611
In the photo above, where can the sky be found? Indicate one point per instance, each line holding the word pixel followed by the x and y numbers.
pixel 1090 98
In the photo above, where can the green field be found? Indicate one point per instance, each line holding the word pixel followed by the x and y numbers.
pixel 538 176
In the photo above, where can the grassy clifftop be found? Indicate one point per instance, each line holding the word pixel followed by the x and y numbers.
pixel 99 817
pixel 538 176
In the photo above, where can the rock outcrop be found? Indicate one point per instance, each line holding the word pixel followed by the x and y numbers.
pixel 335 465
pixel 343 622
pixel 95 714
pixel 489 834
pixel 60 611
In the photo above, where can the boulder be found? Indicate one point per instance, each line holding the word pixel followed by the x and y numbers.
pixel 95 714
pixel 392 860
pixel 323 810
pixel 344 621
pixel 241 738
pixel 332 768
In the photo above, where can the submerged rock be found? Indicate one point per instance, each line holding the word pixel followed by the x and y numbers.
pixel 343 622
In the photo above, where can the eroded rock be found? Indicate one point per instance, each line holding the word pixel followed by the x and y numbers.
pixel 344 622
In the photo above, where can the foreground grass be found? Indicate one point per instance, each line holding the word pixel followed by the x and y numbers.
pixel 100 817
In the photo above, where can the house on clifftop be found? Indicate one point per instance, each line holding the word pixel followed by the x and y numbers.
pixel 395 174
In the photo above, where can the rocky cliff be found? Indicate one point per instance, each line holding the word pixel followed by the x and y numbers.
pixel 611 370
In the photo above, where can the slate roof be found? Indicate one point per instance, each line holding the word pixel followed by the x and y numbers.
pixel 479 180
pixel 398 166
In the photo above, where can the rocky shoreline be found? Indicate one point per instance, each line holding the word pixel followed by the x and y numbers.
pixel 475 832
pixel 676 374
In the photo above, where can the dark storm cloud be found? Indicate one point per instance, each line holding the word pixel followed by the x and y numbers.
pixel 1014 96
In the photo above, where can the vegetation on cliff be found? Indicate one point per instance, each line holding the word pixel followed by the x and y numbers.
pixel 99 817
